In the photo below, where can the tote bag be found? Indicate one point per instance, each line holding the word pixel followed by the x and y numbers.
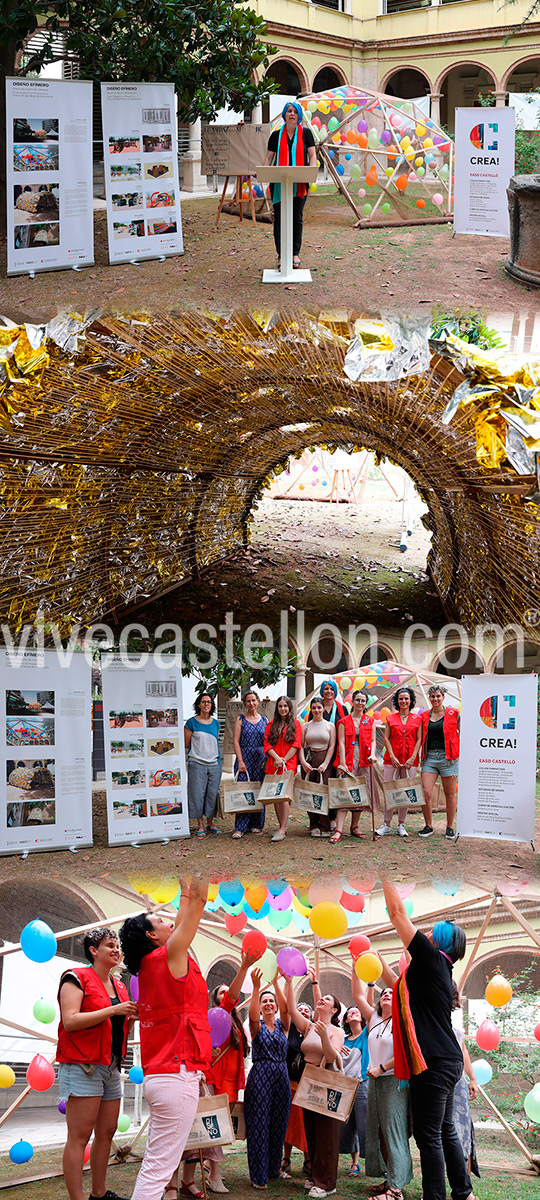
pixel 240 797
pixel 276 788
pixel 311 797
pixel 326 1091
pixel 402 793
pixel 348 792
pixel 212 1125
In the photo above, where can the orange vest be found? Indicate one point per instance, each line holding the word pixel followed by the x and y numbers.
pixel 173 1016
pixel 91 1045
pixel 353 735
pixel 450 730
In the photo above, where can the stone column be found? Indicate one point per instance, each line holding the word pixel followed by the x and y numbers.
pixel 299 685
pixel 193 180
pixel 500 99
pixel 257 114
pixel 435 114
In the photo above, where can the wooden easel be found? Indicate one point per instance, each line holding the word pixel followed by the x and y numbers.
pixel 238 198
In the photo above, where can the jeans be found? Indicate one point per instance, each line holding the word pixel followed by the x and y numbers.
pixel 297 224
pixel 203 787
pixel 432 1104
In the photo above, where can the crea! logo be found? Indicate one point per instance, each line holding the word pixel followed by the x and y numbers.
pixel 483 136
pixel 495 713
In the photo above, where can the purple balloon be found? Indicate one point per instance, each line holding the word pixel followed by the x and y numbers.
pixel 62 1107
pixel 362 127
pixel 282 902
pixel 386 136
pixel 134 987
pixel 291 961
pixel 220 1026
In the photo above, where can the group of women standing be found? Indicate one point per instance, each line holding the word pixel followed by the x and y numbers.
pixel 331 743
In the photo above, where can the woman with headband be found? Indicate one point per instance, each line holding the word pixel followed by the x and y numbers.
pixel 292 145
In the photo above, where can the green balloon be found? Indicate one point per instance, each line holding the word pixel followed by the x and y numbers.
pixel 356 172
pixel 420 171
pixel 386 207
pixel 268 965
pixel 312 106
pixel 367 208
pixel 444 172
pixel 124 1123
pixel 279 920
pixel 44 1011
pixel 531 1104
pixel 333 124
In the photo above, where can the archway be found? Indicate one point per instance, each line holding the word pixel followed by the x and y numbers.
pixel 326 78
pixel 461 87
pixel 523 76
pixel 408 83
pixel 291 81
pixel 193 413
pixel 457 661
pixel 516 658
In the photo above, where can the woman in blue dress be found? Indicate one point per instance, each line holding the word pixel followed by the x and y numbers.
pixel 267 1096
pixel 248 741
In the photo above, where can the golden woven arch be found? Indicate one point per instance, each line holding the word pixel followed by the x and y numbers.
pixel 140 457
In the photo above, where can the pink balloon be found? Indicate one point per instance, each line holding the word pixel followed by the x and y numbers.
pixel 438 198
pixel 40 1074
pixel 537 1032
pixel 404 890
pixel 282 902
pixel 487 1035
pixel 361 191
pixel 325 889
pixel 134 987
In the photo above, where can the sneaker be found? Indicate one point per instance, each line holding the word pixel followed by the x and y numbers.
pixel 449 833
pixel 383 830
pixel 108 1196
pixel 308 1184
pixel 279 836
pixel 318 1193
pixel 402 831
pixel 426 831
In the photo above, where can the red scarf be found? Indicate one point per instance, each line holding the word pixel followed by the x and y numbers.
pixel 408 1057
pixel 297 156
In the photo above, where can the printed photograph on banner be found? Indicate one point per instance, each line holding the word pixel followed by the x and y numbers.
pixel 30 779
pixel 128 719
pixel 126 809
pixel 163 748
pixel 125 172
pixel 33 201
pixel 123 780
pixel 23 702
pixel 122 200
pixel 166 777
pixel 129 144
pixel 35 129
pixel 35 157
pixel 160 143
pixel 123 231
pixel 30 731
pixel 161 718
pixel 161 199
pixel 30 812
pixel 133 748
pixel 158 170
pixel 168 806
pixel 156 228
pixel 28 237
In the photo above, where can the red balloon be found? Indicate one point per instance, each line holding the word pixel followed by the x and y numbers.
pixel 359 944
pixel 488 1036
pixel 351 902
pixel 86 1155
pixel 254 942
pixel 235 923
pixel 537 1032
pixel 40 1074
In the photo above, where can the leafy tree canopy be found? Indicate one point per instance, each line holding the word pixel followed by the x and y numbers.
pixel 209 49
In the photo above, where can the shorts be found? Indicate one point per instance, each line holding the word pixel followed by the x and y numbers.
pixel 437 762
pixel 74 1081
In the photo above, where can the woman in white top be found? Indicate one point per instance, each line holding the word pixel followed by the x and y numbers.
pixel 323 1042
pixel 388 1123
pixel 316 757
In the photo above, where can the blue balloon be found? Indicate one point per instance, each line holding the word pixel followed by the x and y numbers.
pixel 38 942
pixel 276 886
pixel 136 1075
pixel 300 921
pixel 231 891
pixel 21 1152
pixel 348 156
pixel 483 1071
pixel 256 916
pixel 340 170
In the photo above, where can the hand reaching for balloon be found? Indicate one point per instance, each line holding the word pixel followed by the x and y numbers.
pixel 257 979
pixel 249 958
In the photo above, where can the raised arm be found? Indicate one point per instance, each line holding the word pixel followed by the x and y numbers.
pixel 254 1005
pixel 389 976
pixel 315 985
pixel 302 1023
pixel 186 925
pixel 362 1002
pixel 234 989
pixel 396 913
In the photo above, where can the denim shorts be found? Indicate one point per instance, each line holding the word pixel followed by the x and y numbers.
pixel 437 762
pixel 74 1080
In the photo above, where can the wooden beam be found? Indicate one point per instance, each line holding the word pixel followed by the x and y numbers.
pixel 476 946
pixel 521 920
pixel 505 1125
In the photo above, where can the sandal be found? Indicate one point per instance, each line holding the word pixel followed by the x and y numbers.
pixel 237 834
pixel 201 833
pixel 285 1164
pixel 283 1175
pixel 212 829
pixel 356 832
pixel 189 1189
pixel 336 837
pixel 354 1172
pixel 296 262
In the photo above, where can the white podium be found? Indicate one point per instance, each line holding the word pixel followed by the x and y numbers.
pixel 287 177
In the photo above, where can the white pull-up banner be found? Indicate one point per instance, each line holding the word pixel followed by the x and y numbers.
pixel 49 174
pixel 144 751
pixel 140 152
pixel 46 751
pixel 497 762
pixel 485 155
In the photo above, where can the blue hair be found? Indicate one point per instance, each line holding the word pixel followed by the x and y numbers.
pixel 329 683
pixel 450 938
pixel 293 104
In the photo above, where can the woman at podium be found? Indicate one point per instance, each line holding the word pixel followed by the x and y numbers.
pixel 290 146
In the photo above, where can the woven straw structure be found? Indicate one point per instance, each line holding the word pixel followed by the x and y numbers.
pixel 134 463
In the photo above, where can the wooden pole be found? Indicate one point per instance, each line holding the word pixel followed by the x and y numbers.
pixel 505 1125
pixel 521 920
pixel 476 946
pixel 44 1037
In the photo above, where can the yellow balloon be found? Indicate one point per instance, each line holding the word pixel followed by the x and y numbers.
pixel 338 102
pixel 213 889
pixel 312 188
pixel 498 991
pixel 418 161
pixel 328 920
pixel 300 907
pixel 428 142
pixel 336 137
pixel 348 108
pixel 7 1076
pixel 368 967
pixel 389 171
pixel 143 883
pixel 323 106
pixel 358 683
pixel 409 153
pixel 405 142
pixel 164 891
pixel 421 130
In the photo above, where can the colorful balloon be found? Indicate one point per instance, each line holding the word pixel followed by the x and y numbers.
pixel 359 944
pixel 61 1106
pixel 487 1036
pixel 40 1074
pixel 268 965
pixel 368 967
pixel 438 199
pixel 21 1152
pixel 328 920
pixel 498 991
pixel 134 988
pixel 254 942
pixel 136 1075
pixel 220 1026
pixel 531 1104
pixel 367 209
pixel 483 1071
pixel 124 1123
pixel 38 942
pixel 7 1076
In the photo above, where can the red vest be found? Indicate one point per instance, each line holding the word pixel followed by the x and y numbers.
pixel 91 1045
pixel 402 736
pixel 173 1016
pixel 352 735
pixel 450 730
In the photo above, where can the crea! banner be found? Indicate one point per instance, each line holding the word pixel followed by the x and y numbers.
pixel 485 155
pixel 140 153
pixel 49 174
pixel 47 751
pixel 497 762
pixel 144 751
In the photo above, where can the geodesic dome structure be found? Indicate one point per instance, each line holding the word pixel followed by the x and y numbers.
pixel 397 160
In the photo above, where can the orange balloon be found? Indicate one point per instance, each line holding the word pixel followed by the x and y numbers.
pixel 352 137
pixel 362 140
pixel 384 713
pixel 498 991
pixel 256 896
pixel 420 204
pixel 401 182
pixel 372 177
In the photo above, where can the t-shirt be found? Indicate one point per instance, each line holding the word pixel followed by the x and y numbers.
pixel 380 1042
pixel 307 138
pixel 204 745
pixel 356 1063
pixel 429 980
